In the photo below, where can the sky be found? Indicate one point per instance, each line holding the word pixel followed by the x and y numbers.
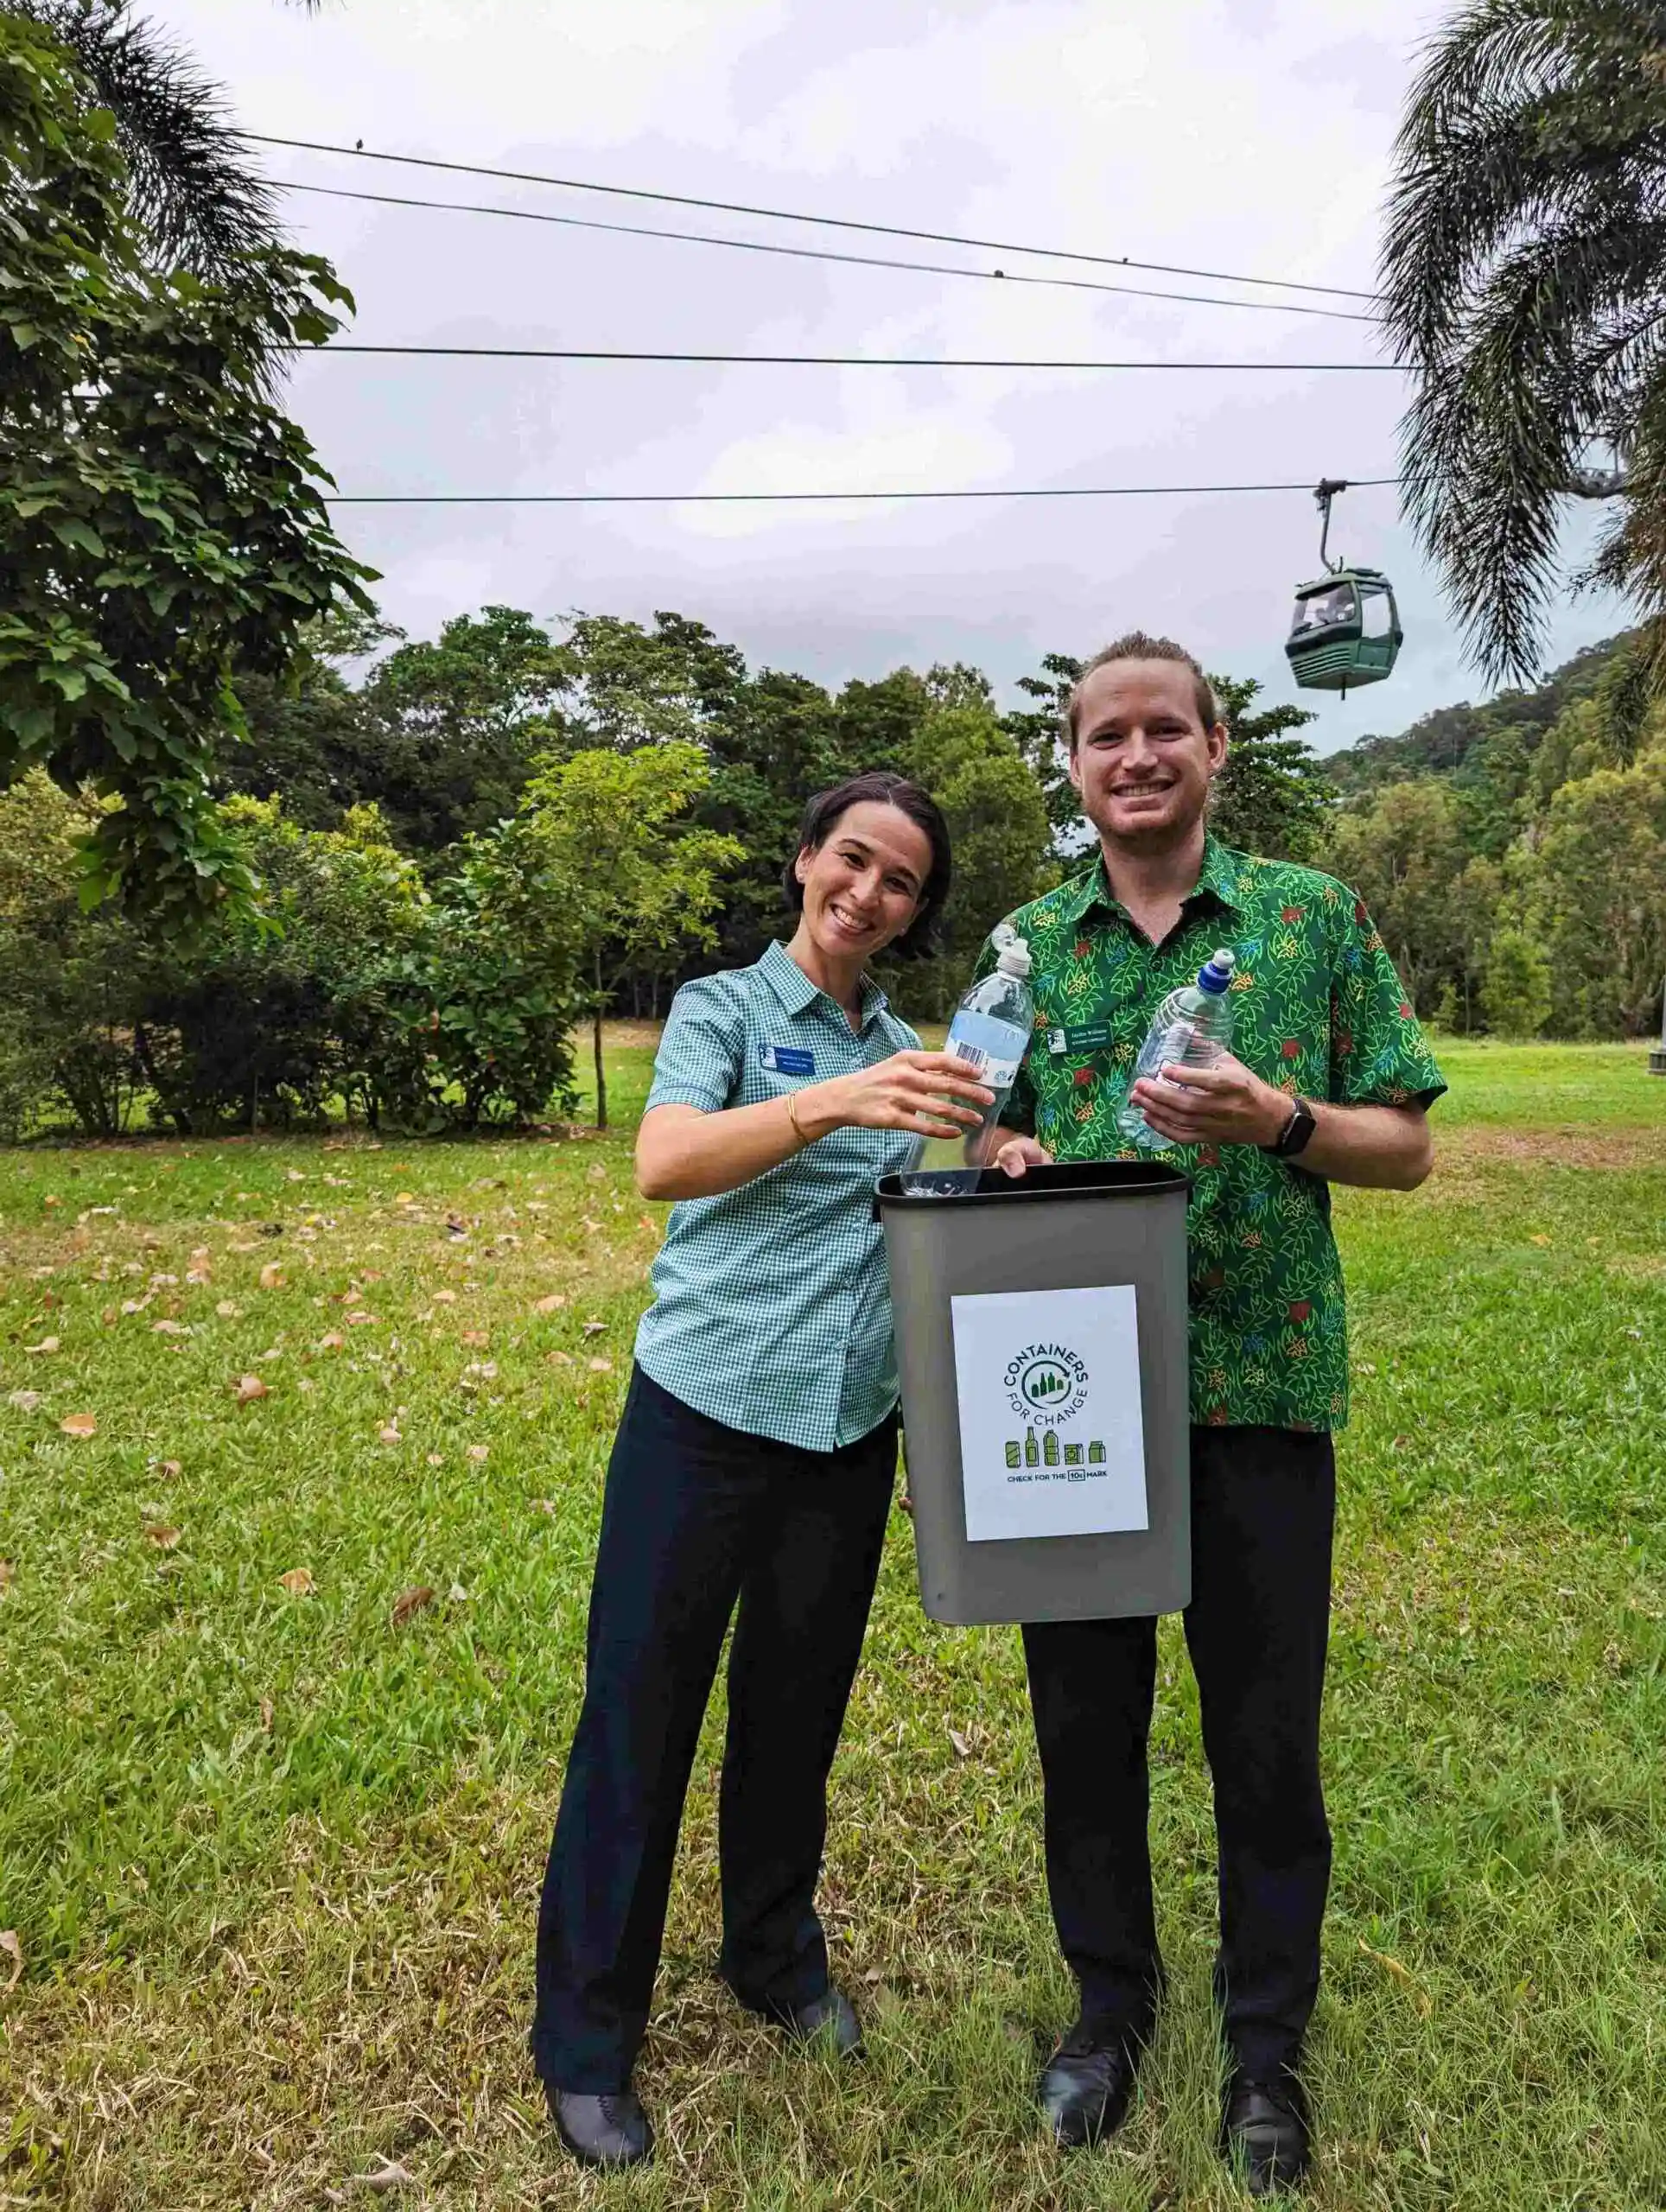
pixel 1253 136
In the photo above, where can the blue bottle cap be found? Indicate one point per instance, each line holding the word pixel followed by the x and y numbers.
pixel 1216 974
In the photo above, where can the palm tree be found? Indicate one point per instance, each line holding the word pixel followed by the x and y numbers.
pixel 196 195
pixel 1524 285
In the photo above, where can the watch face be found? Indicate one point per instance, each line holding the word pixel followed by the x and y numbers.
pixel 1302 1125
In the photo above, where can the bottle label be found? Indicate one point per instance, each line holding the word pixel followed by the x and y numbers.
pixel 983 1043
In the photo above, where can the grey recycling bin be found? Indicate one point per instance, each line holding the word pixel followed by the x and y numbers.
pixel 1041 1343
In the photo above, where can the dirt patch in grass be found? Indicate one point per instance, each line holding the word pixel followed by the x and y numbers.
pixel 1560 1147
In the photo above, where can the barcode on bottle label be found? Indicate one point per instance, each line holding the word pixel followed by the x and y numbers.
pixel 974 1056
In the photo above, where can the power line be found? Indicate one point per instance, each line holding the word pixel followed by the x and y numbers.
pixel 754 499
pixel 816 253
pixel 849 361
pixel 793 215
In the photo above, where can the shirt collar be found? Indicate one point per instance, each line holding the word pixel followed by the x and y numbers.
pixel 1219 878
pixel 798 994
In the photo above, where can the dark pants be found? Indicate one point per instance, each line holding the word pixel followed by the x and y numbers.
pixel 697 1517
pixel 1263 1506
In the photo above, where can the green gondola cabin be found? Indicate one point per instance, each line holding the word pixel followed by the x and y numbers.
pixel 1345 630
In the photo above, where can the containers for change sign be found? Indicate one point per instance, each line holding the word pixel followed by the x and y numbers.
pixel 1052 1436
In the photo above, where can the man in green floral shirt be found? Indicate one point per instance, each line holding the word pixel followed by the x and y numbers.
pixel 1328 1082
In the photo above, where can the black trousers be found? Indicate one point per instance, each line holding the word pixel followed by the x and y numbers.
pixel 1263 1508
pixel 696 1517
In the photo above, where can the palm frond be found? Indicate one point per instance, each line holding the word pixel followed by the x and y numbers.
pixel 196 195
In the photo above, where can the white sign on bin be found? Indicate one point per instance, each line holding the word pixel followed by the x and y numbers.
pixel 1051 1435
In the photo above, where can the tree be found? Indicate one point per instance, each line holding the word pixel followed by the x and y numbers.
pixel 1524 285
pixel 633 876
pixel 998 830
pixel 1039 734
pixel 192 190
pixel 1516 992
pixel 1271 797
pixel 163 526
pixel 446 733
pixel 1403 853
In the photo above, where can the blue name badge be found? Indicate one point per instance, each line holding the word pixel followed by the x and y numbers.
pixel 786 1059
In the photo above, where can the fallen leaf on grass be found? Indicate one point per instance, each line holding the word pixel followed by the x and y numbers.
pixel 170 1467
pixel 229 1310
pixel 79 1424
pixel 559 1358
pixel 601 1366
pixel 475 1337
pixel 553 1304
pixel 266 1715
pixel 437 1459
pixel 404 1198
pixel 595 1328
pixel 963 1749
pixel 137 1305
pixel 411 1601
pixel 1535 1240
pixel 164 1538
pixel 46 1343
pixel 1402 1974
pixel 331 1342
pixel 546 1505
pixel 272 1276
pixel 298 1582
pixel 457 1595
pixel 445 1298
pixel 248 1388
pixel 362 1321
pixel 388 2176
pixel 25 1400
pixel 478 1451
pixel 388 1435
pixel 170 1329
pixel 11 1944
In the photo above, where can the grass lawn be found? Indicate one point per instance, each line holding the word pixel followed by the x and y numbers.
pixel 287 1676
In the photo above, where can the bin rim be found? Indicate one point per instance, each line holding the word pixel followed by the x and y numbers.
pixel 1063 1179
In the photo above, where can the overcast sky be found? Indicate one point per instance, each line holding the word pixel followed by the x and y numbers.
pixel 1248 136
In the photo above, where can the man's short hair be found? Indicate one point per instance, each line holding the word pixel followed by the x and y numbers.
pixel 1138 645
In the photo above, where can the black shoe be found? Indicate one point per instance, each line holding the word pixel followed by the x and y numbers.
pixel 604 2131
pixel 827 2021
pixel 1087 2086
pixel 1265 2124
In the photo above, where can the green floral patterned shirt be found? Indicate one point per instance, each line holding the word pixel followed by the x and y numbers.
pixel 1317 1010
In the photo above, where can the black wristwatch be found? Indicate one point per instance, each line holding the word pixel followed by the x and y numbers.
pixel 1297 1130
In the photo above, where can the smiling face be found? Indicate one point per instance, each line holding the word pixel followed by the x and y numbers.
pixel 1143 759
pixel 862 884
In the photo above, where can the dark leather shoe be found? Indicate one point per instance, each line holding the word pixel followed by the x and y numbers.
pixel 827 2020
pixel 604 2131
pixel 1265 2126
pixel 1087 2086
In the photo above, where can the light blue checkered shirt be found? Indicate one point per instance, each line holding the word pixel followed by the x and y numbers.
pixel 772 1311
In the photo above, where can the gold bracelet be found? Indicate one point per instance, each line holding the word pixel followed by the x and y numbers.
pixel 793 1116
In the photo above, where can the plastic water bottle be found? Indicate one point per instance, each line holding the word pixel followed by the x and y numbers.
pixel 1191 1028
pixel 990 1033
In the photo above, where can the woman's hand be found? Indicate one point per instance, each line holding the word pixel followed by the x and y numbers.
pixel 927 1094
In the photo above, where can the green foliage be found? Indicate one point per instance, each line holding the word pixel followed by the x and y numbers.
pixel 1272 796
pixel 1524 279
pixel 493 989
pixel 161 524
pixel 630 875
pixel 998 830
pixel 1515 988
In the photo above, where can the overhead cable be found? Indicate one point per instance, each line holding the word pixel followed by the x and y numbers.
pixel 818 253
pixel 793 215
pixel 847 360
pixel 755 498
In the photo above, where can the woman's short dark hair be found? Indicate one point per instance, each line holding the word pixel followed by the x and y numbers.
pixel 880 787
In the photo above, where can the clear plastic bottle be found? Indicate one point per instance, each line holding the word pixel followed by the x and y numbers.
pixel 991 1032
pixel 1191 1028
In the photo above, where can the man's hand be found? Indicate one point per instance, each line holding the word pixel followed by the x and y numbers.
pixel 1013 1155
pixel 1228 1103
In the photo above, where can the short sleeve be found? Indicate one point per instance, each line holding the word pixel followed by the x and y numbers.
pixel 702 1054
pixel 1379 1055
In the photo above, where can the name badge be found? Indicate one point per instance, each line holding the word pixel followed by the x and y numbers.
pixel 1087 1037
pixel 786 1059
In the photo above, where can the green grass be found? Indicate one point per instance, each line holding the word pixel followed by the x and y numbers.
pixel 272 1861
